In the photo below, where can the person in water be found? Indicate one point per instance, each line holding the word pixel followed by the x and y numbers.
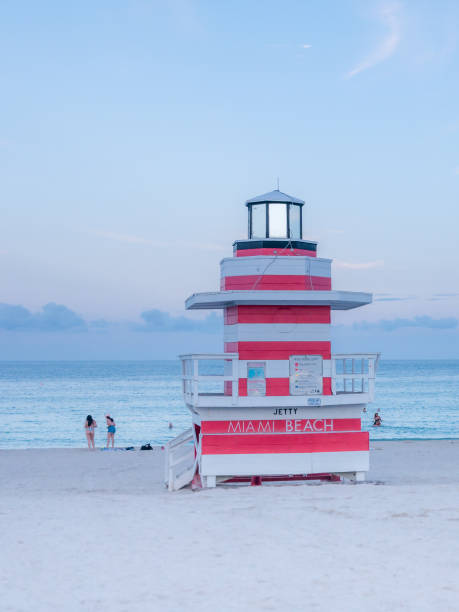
pixel 89 426
pixel 377 420
pixel 111 429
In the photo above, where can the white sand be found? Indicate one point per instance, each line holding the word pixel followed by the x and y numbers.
pixel 96 531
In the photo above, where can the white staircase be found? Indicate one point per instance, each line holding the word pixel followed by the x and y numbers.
pixel 180 461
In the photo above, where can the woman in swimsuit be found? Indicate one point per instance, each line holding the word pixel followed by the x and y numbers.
pixel 111 428
pixel 377 420
pixel 89 426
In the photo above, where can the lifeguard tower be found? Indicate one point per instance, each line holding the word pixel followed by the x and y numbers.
pixel 288 408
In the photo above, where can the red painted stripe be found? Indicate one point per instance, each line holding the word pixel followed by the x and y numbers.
pixel 278 350
pixel 277 314
pixel 291 426
pixel 276 282
pixel 280 387
pixel 284 443
pixel 287 478
pixel 327 386
pixel 243 387
pixel 277 386
pixel 278 251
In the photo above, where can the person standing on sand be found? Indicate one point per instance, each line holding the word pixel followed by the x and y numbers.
pixel 89 426
pixel 111 429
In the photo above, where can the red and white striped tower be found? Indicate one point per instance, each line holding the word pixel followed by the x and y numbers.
pixel 289 408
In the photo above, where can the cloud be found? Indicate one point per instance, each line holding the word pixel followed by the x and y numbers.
pixel 389 15
pixel 52 317
pixel 306 46
pixel 421 321
pixel 394 299
pixel 364 265
pixel 456 170
pixel 438 297
pixel 160 321
pixel 56 317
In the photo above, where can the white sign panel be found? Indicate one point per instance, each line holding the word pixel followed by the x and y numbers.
pixel 256 380
pixel 306 373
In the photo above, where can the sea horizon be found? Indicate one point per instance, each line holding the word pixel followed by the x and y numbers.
pixel 178 360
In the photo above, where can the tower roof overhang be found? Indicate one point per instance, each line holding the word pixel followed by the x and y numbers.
pixel 337 300
pixel 275 197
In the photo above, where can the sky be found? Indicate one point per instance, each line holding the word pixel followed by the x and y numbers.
pixel 132 132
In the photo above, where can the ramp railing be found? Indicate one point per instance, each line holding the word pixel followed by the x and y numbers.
pixel 180 461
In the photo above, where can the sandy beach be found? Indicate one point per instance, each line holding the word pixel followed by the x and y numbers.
pixel 98 531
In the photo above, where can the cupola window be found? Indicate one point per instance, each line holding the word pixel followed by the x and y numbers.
pixel 275 215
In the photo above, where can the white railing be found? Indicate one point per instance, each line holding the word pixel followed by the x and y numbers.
pixel 192 376
pixel 354 373
pixel 350 374
pixel 180 461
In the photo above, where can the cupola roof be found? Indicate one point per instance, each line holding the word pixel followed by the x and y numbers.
pixel 275 196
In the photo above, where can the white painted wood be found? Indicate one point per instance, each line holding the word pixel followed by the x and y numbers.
pixel 284 463
pixel 358 394
pixel 287 401
pixel 211 482
pixel 356 373
pixel 338 300
pixel 266 264
pixel 183 478
pixel 327 368
pixel 180 463
pixel 321 412
pixel 353 476
pixel 347 461
pixel 256 464
pixel 190 363
pixel 277 332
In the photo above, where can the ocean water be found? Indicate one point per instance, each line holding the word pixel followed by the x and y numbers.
pixel 44 404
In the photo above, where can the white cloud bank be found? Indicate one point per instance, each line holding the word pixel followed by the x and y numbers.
pixel 389 15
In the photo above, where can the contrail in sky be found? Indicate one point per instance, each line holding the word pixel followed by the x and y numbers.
pixel 389 15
